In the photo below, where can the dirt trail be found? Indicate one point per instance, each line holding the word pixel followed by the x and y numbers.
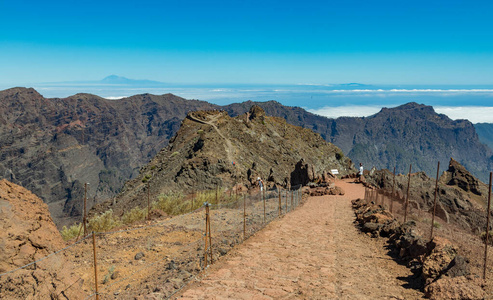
pixel 314 252
pixel 229 146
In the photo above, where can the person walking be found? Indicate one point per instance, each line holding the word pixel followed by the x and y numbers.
pixel 260 183
pixel 360 169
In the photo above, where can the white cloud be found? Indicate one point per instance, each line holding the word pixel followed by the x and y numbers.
pixel 114 98
pixel 475 114
pixel 346 111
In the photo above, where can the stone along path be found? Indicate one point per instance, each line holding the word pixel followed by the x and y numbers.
pixel 315 252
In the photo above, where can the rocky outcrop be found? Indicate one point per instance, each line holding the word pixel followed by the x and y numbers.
pixel 408 134
pixel 461 197
pixel 212 150
pixel 443 273
pixel 29 234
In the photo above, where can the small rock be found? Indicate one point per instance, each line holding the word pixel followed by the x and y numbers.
pixel 139 255
pixel 115 275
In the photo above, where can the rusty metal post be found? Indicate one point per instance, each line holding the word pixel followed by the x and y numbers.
pixel 407 197
pixel 84 218
pixel 244 217
pixel 279 193
pixel 206 233
pixel 435 203
pixel 487 229
pixel 263 198
pixel 210 234
pixel 148 202
pixel 95 264
pixel 392 195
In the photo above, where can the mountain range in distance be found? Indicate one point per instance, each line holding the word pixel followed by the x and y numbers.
pixel 52 146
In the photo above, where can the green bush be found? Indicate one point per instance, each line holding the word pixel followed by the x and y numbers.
pixel 175 153
pixel 104 222
pixel 71 232
pixel 136 214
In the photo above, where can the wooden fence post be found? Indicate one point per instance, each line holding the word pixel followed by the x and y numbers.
pixel 95 265
pixel 434 203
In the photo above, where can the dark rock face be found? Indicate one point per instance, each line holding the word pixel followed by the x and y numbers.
pixel 53 146
pixel 409 134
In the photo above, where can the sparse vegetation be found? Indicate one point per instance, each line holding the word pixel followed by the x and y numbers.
pixel 104 222
pixel 172 203
pixel 436 224
pixel 134 215
pixel 146 178
pixel 71 232
pixel 175 153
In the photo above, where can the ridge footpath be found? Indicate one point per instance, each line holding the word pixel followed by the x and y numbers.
pixel 314 252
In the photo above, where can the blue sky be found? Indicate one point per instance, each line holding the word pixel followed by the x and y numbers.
pixel 290 42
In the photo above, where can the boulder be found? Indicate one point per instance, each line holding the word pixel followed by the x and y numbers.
pixel 457 288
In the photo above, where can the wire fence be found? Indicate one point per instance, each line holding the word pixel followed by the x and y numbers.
pixel 402 204
pixel 160 257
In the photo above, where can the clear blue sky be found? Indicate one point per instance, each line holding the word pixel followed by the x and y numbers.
pixel 375 42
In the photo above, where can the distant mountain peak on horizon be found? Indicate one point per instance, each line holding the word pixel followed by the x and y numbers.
pixel 115 79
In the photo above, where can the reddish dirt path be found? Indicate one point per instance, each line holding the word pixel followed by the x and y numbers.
pixel 315 252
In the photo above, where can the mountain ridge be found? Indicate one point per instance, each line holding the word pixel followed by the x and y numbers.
pixel 52 146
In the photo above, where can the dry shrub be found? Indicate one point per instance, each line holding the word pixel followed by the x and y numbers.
pixel 172 204
pixel 104 222
pixel 71 232
pixel 136 214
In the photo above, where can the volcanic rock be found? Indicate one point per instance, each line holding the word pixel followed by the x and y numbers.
pixel 29 235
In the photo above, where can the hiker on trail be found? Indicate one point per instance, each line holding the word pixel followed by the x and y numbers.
pixel 360 169
pixel 260 183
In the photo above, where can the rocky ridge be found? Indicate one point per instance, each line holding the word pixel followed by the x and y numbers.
pixel 212 149
pixel 408 134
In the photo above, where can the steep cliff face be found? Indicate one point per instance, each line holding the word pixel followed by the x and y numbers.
pixel 408 134
pixel 213 149
pixel 53 146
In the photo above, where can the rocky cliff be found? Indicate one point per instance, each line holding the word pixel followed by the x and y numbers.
pixel 53 146
pixel 213 149
pixel 28 234
pixel 462 198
